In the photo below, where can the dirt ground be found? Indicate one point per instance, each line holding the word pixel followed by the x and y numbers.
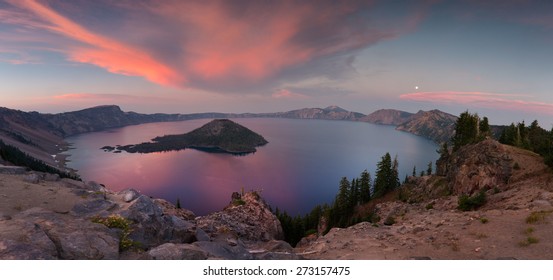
pixel 16 195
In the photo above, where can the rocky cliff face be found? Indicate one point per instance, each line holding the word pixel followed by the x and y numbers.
pixel 247 217
pixel 435 125
pixel 482 166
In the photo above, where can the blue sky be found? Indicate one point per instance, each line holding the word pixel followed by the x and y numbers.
pixel 490 57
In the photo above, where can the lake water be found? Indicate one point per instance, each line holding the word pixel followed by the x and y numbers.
pixel 299 168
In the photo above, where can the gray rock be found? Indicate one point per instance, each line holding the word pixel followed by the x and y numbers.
pixel 278 246
pixel 171 251
pixel 12 170
pixel 24 240
pixel 74 238
pixel 202 235
pixel 220 250
pixel 49 177
pixel 73 184
pixel 170 209
pixel 152 228
pixel 93 207
pixel 32 178
pixel 95 187
pixel 129 194
pixel 181 231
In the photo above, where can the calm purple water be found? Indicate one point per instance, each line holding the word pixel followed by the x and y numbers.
pixel 299 168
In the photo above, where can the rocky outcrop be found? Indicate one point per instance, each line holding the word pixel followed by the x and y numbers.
pixel 248 218
pixel 482 166
pixel 434 125
pixel 42 234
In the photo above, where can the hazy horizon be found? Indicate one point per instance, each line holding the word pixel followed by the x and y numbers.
pixel 493 58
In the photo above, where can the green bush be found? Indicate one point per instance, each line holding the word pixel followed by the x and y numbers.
pixel 238 202
pixel 389 221
pixel 467 203
pixel 118 222
pixel 536 217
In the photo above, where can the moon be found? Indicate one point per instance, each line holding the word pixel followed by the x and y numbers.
pixel 416 87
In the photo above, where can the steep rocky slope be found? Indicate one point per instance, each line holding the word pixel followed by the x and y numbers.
pixel 435 125
pixel 515 223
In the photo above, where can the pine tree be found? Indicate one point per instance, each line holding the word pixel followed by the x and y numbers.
pixel 394 181
pixel 354 193
pixel 386 176
pixel 466 130
pixel 365 186
pixel 342 204
pixel 429 169
pixel 414 171
pixel 484 128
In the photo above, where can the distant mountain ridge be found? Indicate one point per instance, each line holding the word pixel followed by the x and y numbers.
pixel 388 117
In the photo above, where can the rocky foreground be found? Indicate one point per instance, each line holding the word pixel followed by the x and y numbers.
pixel 43 217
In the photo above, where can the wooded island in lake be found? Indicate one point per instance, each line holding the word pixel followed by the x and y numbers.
pixel 218 136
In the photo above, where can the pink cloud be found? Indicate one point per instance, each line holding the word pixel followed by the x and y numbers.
pixel 482 99
pixel 206 44
pixel 284 93
pixel 99 50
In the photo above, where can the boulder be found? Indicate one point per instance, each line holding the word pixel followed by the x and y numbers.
pixel 95 187
pixel 252 220
pixel 72 237
pixel 170 209
pixel 129 194
pixel 171 251
pixel 202 235
pixel 97 207
pixel 152 228
pixel 32 178
pixel 49 177
pixel 24 240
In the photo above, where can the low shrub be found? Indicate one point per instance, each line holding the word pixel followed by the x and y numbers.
pixel 536 217
pixel 238 202
pixel 118 222
pixel 469 203
pixel 528 241
pixel 390 220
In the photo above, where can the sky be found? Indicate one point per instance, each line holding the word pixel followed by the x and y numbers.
pixel 494 58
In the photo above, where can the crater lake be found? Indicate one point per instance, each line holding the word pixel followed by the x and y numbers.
pixel 300 167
